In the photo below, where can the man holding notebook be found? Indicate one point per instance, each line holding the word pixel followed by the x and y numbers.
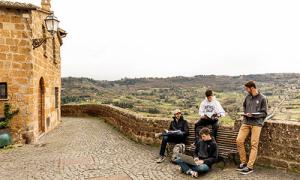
pixel 177 133
pixel 255 111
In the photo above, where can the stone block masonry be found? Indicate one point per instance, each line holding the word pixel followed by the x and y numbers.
pixel 32 76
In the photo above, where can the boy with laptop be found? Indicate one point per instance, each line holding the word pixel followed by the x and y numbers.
pixel 205 155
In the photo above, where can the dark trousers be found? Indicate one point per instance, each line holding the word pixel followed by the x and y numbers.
pixel 170 138
pixel 206 122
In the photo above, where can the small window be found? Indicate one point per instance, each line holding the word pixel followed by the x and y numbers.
pixel 56 96
pixel 3 90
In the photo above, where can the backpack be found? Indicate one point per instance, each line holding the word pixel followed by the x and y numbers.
pixel 178 148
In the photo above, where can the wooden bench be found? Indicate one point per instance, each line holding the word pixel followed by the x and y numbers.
pixel 226 140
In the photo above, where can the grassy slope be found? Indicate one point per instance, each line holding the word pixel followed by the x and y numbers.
pixel 159 96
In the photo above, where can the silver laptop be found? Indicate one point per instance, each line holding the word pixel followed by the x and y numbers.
pixel 187 159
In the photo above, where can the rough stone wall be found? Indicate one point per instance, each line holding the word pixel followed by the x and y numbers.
pixel 22 67
pixel 15 65
pixel 279 143
pixel 46 64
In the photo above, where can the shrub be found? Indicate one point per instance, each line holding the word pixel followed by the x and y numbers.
pixel 123 104
pixel 8 114
pixel 153 111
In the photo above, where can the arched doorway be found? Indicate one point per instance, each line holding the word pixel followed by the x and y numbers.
pixel 41 106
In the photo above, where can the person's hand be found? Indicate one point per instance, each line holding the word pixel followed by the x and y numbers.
pixel 215 116
pixel 249 115
pixel 199 162
pixel 204 117
pixel 196 159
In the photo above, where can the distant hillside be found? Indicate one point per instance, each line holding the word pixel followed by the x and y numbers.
pixel 87 87
pixel 156 96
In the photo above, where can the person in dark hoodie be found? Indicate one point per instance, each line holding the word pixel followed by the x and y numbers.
pixel 177 133
pixel 205 155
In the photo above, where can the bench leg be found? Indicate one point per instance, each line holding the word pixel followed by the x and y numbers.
pixel 222 159
pixel 235 159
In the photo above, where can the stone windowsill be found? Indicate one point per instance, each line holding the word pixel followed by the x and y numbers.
pixel 4 99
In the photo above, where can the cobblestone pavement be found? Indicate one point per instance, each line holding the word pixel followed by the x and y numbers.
pixel 87 148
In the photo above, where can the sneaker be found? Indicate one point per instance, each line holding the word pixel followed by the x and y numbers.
pixel 246 171
pixel 179 169
pixel 241 167
pixel 157 135
pixel 193 174
pixel 161 159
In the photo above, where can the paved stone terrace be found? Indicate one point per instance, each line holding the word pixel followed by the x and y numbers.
pixel 88 148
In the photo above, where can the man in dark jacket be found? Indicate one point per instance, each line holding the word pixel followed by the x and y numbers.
pixel 205 155
pixel 177 133
pixel 255 111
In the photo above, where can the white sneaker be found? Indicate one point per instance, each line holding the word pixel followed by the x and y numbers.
pixel 161 159
pixel 194 174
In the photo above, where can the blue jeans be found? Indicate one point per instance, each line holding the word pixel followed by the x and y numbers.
pixel 202 168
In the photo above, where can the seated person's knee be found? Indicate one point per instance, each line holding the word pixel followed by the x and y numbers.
pixel 203 168
pixel 165 138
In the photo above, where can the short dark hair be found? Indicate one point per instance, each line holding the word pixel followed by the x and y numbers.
pixel 250 84
pixel 205 131
pixel 208 93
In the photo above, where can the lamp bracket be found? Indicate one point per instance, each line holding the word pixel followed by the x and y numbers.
pixel 39 41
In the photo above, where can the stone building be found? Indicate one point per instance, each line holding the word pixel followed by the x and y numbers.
pixel 30 69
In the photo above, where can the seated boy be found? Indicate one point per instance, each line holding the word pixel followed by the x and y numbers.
pixel 177 133
pixel 210 111
pixel 205 155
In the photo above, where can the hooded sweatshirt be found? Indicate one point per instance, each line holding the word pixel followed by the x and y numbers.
pixel 209 108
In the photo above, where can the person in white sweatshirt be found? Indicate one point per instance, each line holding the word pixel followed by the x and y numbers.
pixel 210 111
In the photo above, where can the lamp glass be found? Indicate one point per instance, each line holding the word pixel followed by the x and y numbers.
pixel 51 23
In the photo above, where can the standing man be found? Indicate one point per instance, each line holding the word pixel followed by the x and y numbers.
pixel 210 111
pixel 255 112
pixel 177 133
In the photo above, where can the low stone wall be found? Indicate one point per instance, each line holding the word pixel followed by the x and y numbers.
pixel 138 128
pixel 279 144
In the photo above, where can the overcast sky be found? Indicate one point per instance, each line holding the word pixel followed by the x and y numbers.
pixel 112 39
